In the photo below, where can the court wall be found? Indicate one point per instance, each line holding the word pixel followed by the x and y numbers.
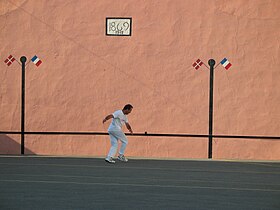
pixel 86 75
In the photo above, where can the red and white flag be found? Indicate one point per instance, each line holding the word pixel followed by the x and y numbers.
pixel 197 64
pixel 9 60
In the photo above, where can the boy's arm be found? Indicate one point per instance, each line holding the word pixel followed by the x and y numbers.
pixel 129 127
pixel 108 118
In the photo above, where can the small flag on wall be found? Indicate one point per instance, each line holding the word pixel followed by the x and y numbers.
pixel 36 61
pixel 197 64
pixel 9 60
pixel 226 63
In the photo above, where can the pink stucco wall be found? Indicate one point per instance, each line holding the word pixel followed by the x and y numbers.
pixel 86 75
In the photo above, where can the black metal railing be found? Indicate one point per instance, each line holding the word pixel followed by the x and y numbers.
pixel 88 133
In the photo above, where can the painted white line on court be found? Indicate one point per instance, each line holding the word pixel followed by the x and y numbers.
pixel 142 185
pixel 142 158
pixel 144 179
pixel 264 164
pixel 141 168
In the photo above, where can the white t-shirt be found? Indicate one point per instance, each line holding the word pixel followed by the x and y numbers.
pixel 118 121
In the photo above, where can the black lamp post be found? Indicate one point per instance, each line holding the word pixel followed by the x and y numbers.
pixel 211 63
pixel 23 61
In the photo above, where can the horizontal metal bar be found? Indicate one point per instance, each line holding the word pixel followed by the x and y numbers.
pixel 246 137
pixel 10 132
pixel 141 134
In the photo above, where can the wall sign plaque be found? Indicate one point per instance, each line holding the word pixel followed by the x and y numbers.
pixel 118 26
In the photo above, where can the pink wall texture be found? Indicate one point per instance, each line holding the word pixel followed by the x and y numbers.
pixel 86 75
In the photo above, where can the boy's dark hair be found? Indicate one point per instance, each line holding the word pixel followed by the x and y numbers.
pixel 127 107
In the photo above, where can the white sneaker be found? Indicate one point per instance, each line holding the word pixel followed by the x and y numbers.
pixel 122 158
pixel 109 160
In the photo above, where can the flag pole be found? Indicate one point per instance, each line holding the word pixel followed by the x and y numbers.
pixel 23 61
pixel 217 65
pixel 27 63
pixel 17 61
pixel 206 65
pixel 211 63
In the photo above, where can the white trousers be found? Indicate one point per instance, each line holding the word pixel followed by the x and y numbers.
pixel 114 137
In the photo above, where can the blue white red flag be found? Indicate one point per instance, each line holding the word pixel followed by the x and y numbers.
pixel 226 63
pixel 36 60
pixel 9 60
